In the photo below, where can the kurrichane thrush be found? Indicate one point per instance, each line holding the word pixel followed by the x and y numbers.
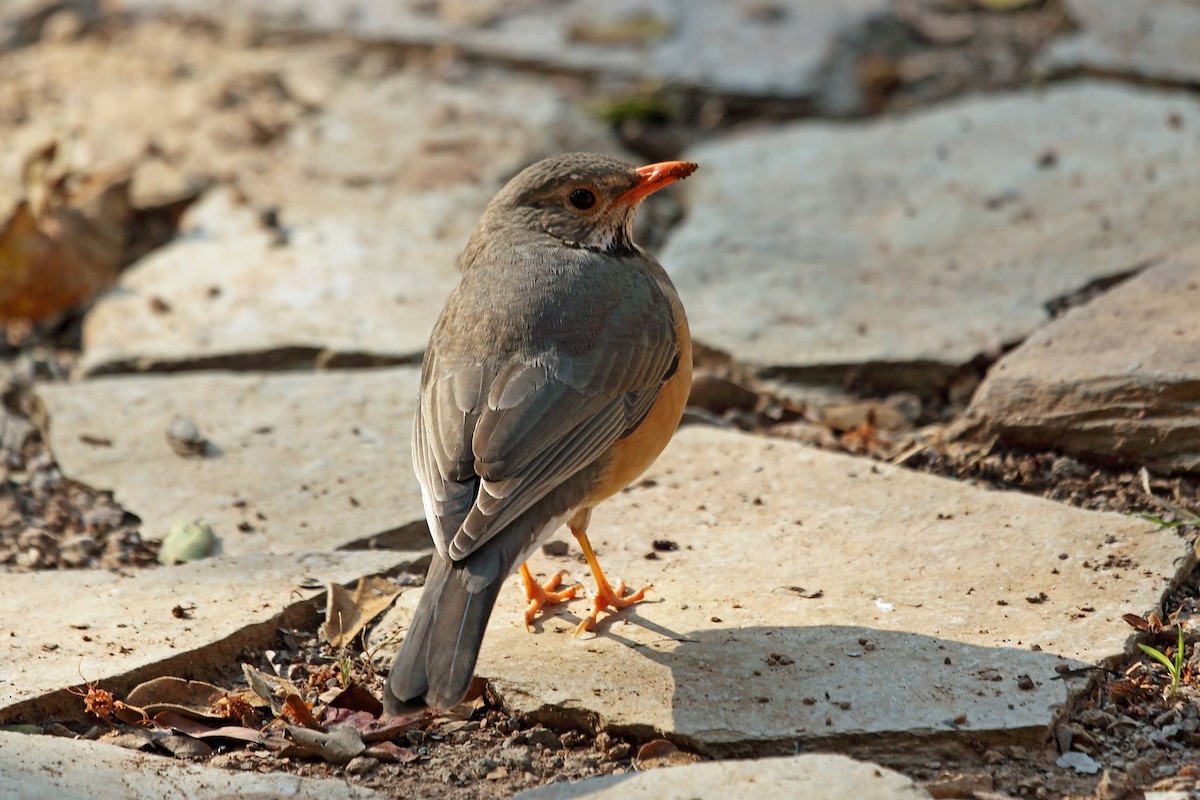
pixel 556 374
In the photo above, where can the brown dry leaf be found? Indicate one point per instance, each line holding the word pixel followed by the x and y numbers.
pixel 391 728
pixel 356 697
pixel 199 730
pixel 1151 623
pixel 188 698
pixel 336 747
pixel 387 751
pixel 347 613
pixel 132 739
pixel 270 688
pixel 64 241
pixel 184 746
pixel 662 753
pixel 295 709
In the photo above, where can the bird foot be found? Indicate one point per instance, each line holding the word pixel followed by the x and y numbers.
pixel 605 598
pixel 540 595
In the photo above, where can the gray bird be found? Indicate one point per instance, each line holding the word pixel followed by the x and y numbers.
pixel 556 373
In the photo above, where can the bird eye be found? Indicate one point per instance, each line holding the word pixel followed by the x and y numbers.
pixel 583 199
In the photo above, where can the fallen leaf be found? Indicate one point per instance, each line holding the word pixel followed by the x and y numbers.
pixel 132 739
pixel 337 746
pixel 184 746
pixel 270 688
pixel 662 753
pixel 202 729
pixel 64 241
pixel 187 698
pixel 356 698
pixel 295 709
pixel 347 613
pixel 387 751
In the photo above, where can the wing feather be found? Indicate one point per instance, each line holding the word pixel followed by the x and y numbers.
pixel 493 437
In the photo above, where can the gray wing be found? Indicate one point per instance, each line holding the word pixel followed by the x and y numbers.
pixel 490 441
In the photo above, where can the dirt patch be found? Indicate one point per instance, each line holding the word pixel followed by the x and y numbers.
pixel 46 520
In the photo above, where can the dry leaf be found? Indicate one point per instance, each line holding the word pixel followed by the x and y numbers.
pixel 270 688
pixel 184 746
pixel 64 241
pixel 662 753
pixel 387 751
pixel 347 613
pixel 295 709
pixel 198 729
pixel 336 747
pixel 187 698
pixel 356 698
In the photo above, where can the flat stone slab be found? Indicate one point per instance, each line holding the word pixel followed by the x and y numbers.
pixel 1156 40
pixel 740 48
pixel 65 628
pixel 297 462
pixel 37 767
pixel 374 198
pixel 933 237
pixel 1116 380
pixel 813 777
pixel 821 598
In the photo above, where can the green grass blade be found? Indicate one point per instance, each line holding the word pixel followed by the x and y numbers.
pixel 1158 656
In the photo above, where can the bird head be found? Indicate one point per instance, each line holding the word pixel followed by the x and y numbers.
pixel 582 199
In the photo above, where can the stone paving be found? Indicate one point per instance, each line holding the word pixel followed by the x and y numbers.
pixel 294 462
pixel 817 777
pixel 53 769
pixel 934 237
pixel 809 599
pixel 922 615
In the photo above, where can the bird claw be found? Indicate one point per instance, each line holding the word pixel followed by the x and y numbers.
pixel 540 595
pixel 609 598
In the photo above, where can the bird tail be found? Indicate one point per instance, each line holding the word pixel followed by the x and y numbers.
pixel 437 660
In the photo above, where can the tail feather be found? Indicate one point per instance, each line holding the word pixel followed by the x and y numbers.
pixel 437 660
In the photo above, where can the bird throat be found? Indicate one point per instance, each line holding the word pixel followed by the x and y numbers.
pixel 616 241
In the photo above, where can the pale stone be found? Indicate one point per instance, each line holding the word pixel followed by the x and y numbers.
pixel 1116 380
pixel 299 462
pixel 812 777
pixel 119 629
pixel 39 767
pixel 375 198
pixel 1156 40
pixel 932 238
pixel 816 596
pixel 744 47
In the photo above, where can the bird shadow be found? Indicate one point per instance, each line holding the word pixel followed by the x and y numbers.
pixel 775 690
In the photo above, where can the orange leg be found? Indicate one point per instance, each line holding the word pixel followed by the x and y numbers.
pixel 540 595
pixel 605 597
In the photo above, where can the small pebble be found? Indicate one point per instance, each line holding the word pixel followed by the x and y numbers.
pixel 361 765
pixel 185 438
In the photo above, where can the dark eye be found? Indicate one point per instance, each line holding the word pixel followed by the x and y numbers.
pixel 583 199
